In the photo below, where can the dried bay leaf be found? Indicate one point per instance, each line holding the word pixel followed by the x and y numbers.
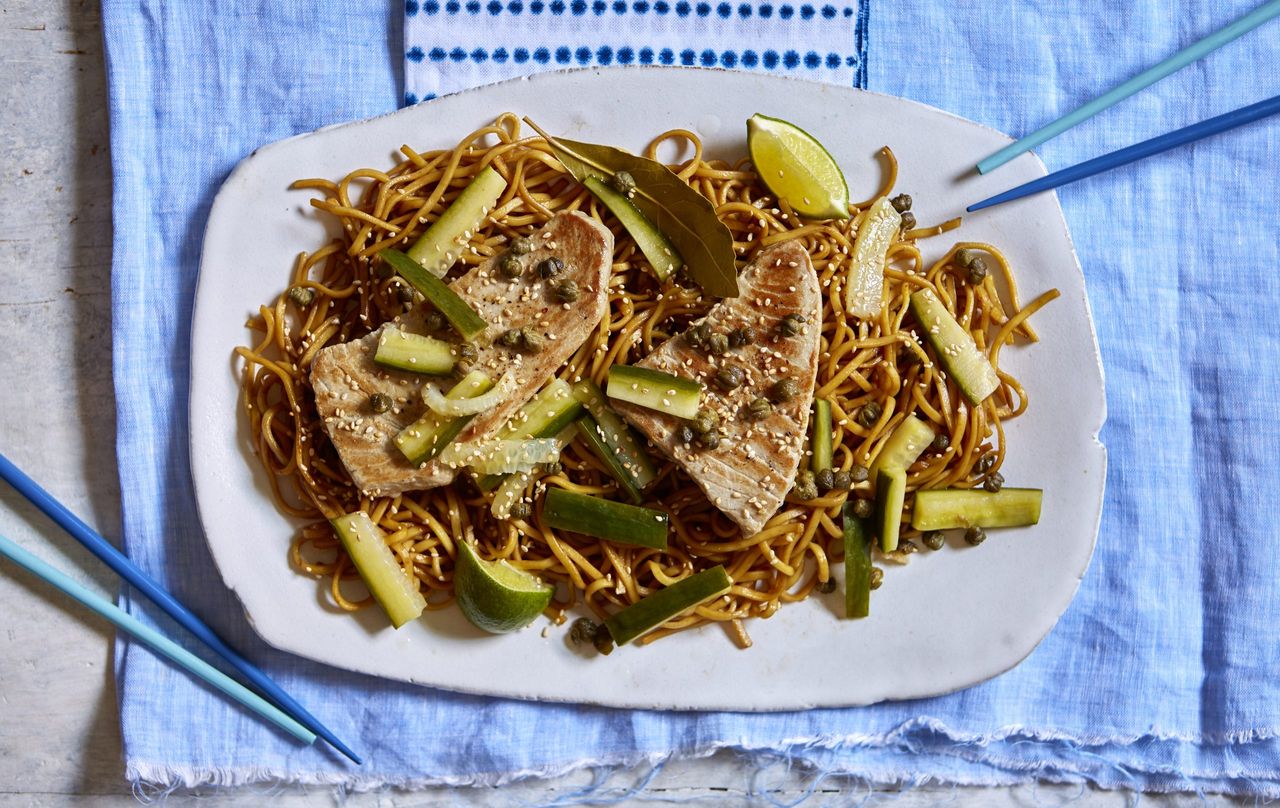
pixel 683 215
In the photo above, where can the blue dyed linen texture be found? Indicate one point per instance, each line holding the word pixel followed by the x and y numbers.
pixel 1161 673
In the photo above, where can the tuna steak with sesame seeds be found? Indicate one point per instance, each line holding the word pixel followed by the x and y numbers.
pixel 749 472
pixel 345 376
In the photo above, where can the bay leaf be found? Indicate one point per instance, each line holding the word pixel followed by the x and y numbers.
pixel 683 215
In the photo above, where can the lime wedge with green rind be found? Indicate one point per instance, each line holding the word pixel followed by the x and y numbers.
pixel 495 596
pixel 796 168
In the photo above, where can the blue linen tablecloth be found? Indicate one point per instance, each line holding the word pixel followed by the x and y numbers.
pixel 1160 676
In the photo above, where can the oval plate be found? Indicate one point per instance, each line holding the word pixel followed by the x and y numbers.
pixel 1000 599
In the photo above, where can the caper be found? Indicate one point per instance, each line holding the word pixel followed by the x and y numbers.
pixel 554 467
pixel 435 321
pixel 877 577
pixel 550 267
pixel 975 536
pixel 730 378
pixel 566 291
pixel 467 353
pixel 531 340
pixel 843 481
pixel 963 257
pixel 521 510
pixel 941 442
pixel 826 587
pixel 622 182
pixel 759 408
pixel 859 474
pixel 709 439
pixel 404 294
pixel 509 266
pixel 906 547
pixel 742 335
pixel 302 296
pixel 783 390
pixel 717 344
pixel 603 641
pixel 994 482
pixel 684 433
pixel 934 539
pixel 908 221
pixel 510 338
pixel 901 203
pixel 697 336
pixel 383 270
pixel 862 508
pixel 583 631
pixel 977 270
pixel 869 413
pixel 379 402
pixel 985 463
pixel 791 325
pixel 806 487
pixel 826 480
pixel 705 420
pixel 522 245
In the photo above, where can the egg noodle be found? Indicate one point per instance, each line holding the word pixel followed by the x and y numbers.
pixel 861 361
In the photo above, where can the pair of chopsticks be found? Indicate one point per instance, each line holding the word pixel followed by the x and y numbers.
pixel 278 707
pixel 1146 148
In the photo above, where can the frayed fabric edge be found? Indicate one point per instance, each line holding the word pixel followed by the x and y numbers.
pixel 151 779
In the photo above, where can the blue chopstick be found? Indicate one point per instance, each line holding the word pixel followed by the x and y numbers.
pixel 1146 78
pixel 126 569
pixel 155 640
pixel 1136 152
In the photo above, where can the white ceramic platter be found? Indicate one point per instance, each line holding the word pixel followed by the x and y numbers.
pixel 946 621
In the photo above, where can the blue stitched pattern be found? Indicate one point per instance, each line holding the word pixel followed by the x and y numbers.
pixel 605 55
pixel 682 8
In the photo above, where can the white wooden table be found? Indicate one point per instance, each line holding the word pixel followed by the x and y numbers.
pixel 59 726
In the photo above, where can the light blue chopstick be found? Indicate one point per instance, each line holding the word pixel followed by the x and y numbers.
pixel 186 618
pixel 1136 152
pixel 1146 78
pixel 155 640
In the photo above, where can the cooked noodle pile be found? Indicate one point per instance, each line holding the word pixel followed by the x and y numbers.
pixel 860 362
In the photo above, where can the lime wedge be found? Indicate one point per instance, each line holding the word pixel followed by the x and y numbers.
pixel 494 595
pixel 797 168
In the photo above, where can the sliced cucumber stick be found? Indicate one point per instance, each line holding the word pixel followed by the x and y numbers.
pixel 954 348
pixel 441 246
pixel 900 450
pixel 820 440
pixel 545 415
pixel 617 434
pixel 394 591
pixel 662 255
pixel 413 352
pixel 666 604
pixel 864 290
pixel 592 434
pixel 457 311
pixel 605 519
pixel 426 437
pixel 857 564
pixel 891 495
pixel 655 390
pixel 946 508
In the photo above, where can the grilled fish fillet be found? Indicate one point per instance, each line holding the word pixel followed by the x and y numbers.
pixel 345 376
pixel 752 469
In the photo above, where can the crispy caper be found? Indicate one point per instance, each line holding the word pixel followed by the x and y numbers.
pixel 603 641
pixel 985 463
pixel 783 390
pixel 941 442
pixel 825 479
pixel 379 402
pixel 622 182
pixel 531 341
pixel 718 344
pixel 522 245
pixel 302 296
pixel 994 482
pixel 933 539
pixel 521 510
pixel 901 203
pixel 467 353
pixel 742 335
pixel 566 290
pixel 404 294
pixel 697 336
pixel 977 270
pixel 510 338
pixel 685 433
pixel 791 325
pixel 869 413
pixel 862 508
pixel 730 378
pixel 509 266
pixel 435 321
pixel 843 481
pixel 705 420
pixel 806 487
pixel 759 408
pixel 583 631
pixel 877 577
pixel 554 467
pixel 975 536
pixel 908 221
pixel 963 257
pixel 826 587
pixel 709 439
pixel 907 547
pixel 550 267
pixel 382 270
pixel 859 474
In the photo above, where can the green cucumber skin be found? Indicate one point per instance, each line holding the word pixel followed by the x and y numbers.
pixel 438 248
pixel 606 519
pixel 414 353
pixel 954 348
pixel 891 494
pixel 457 311
pixel 652 392
pixel 653 244
pixel 588 431
pixel 857 564
pixel 820 442
pixel 900 450
pixel 948 508
pixel 435 434
pixel 378 568
pixel 645 615
pixel 546 415
pixel 618 435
